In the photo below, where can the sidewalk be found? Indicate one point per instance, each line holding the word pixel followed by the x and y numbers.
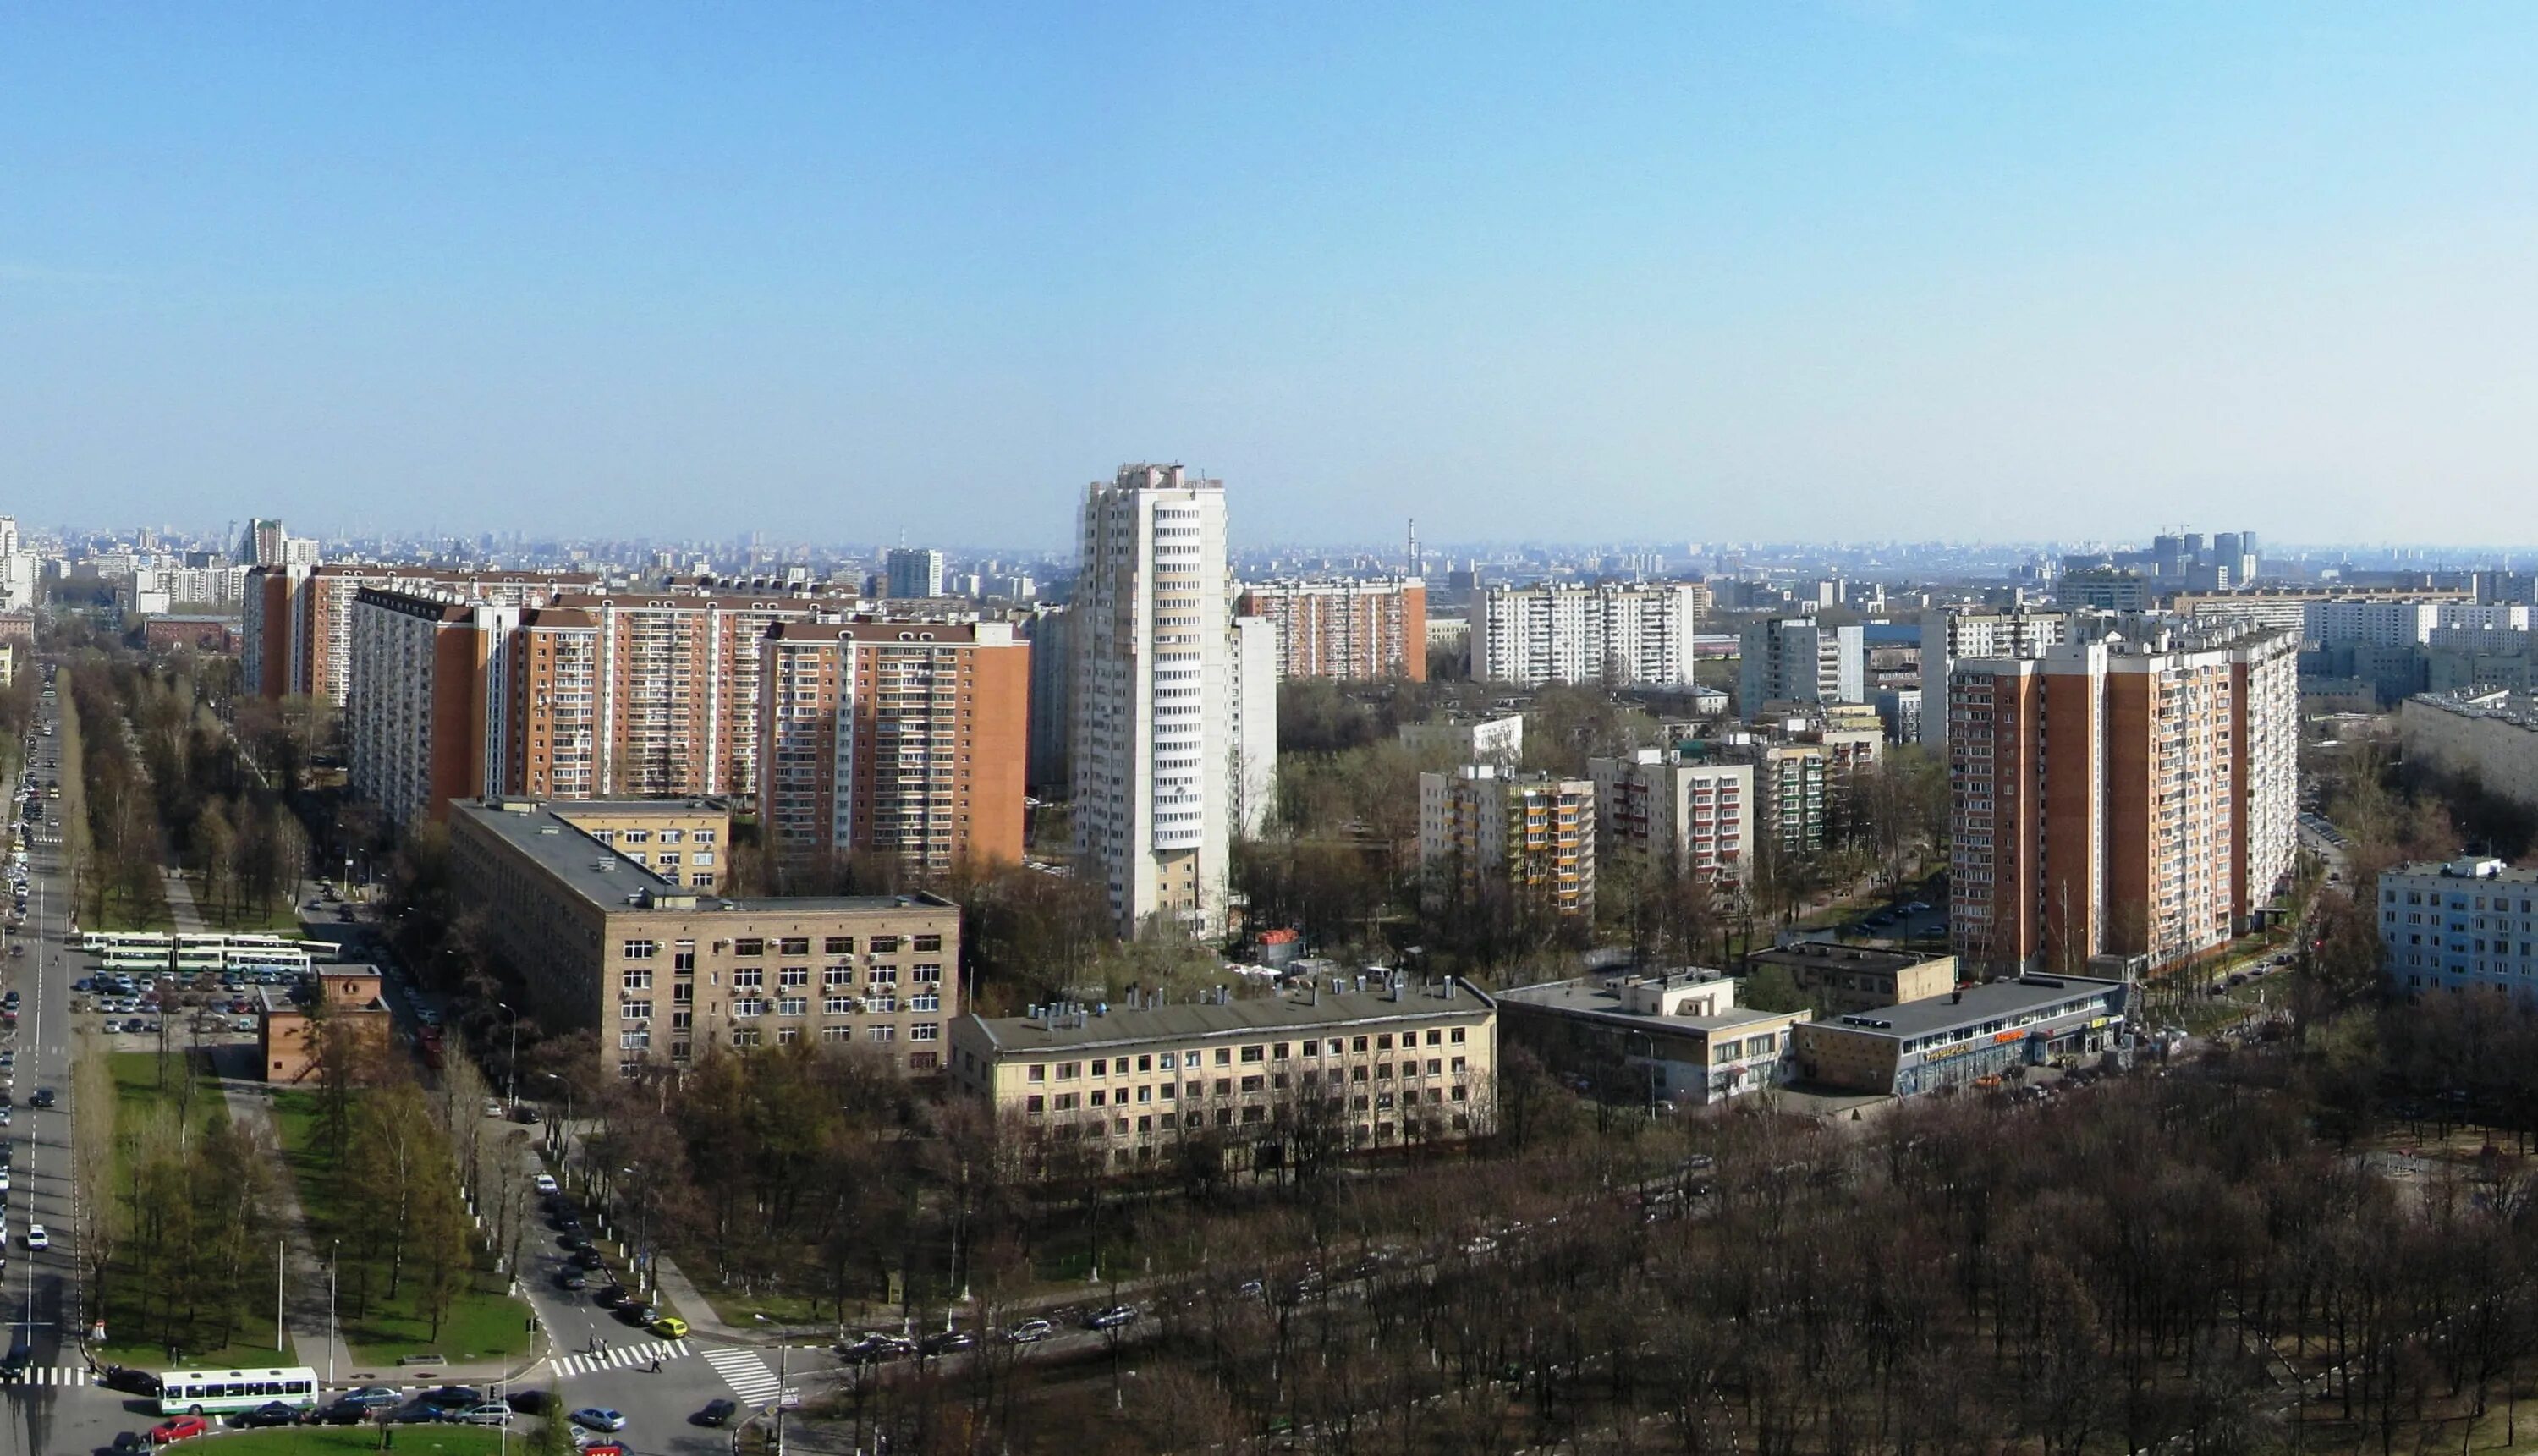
pixel 305 1315
pixel 181 908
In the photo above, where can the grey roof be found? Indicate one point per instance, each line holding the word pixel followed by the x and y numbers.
pixel 600 874
pixel 1592 998
pixel 1288 1011
pixel 1842 957
pixel 1989 1000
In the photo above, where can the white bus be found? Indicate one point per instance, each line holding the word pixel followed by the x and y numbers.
pixel 212 1392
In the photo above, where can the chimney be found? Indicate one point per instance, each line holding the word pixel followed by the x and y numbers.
pixel 1396 988
pixel 1449 986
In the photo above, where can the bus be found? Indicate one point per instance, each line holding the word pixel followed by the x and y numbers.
pixel 213 1392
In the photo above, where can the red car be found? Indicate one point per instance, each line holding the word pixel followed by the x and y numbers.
pixel 177 1428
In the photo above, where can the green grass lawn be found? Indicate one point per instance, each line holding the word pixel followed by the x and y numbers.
pixel 282 918
pixel 140 1101
pixel 484 1323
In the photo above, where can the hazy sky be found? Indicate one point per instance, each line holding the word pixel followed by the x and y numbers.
pixel 1675 271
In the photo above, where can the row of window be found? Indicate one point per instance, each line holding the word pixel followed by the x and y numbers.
pixel 1226 1056
pixel 1037 1106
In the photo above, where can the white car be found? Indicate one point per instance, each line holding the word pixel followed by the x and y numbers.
pixel 4 1180
pixel 36 1237
pixel 545 1182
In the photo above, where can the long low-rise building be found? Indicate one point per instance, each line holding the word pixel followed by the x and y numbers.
pixel 1678 1036
pixel 1964 1036
pixel 2464 925
pixel 1341 1066
pixel 660 969
pixel 2486 732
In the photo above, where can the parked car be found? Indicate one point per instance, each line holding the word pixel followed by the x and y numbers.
pixel 271 1412
pixel 1112 1318
pixel 543 1182
pixel 1031 1331
pixel 609 1296
pixel 633 1312
pixel 451 1397
pixel 179 1428
pixel 572 1279
pixel 599 1417
pixel 946 1341
pixel 485 1412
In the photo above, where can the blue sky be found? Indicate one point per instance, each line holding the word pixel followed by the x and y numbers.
pixel 1675 271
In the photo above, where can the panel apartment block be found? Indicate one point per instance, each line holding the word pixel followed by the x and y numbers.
pixel 1528 839
pixel 1614 634
pixel 902 739
pixel 2119 799
pixel 658 969
pixel 1345 628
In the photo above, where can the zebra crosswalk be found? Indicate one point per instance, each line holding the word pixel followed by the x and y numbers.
pixel 745 1372
pixel 55 1375
pixel 619 1357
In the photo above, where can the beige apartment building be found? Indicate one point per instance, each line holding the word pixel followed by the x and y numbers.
pixel 1485 831
pixel 1680 816
pixel 685 842
pixel 1383 1066
pixel 660 969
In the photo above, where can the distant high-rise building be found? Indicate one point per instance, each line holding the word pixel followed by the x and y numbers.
pixel 1947 636
pixel 264 544
pixel 1052 699
pixel 1154 748
pixel 1253 673
pixel 913 571
pixel 1794 660
pixel 1344 628
pixel 1617 635
pixel 2119 799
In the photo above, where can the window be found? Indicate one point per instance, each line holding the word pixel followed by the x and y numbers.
pixel 884 976
pixel 837 975
pixel 745 1036
pixel 1101 1068
pixel 1224 1056
pixel 794 975
pixel 749 946
pixel 1068 1071
pixel 1034 1104
pixel 1359 1044
pixel 684 993
pixel 926 1001
pixel 1036 1072
pixel 885 945
pixel 640 950
pixel 885 1033
pixel 634 1039
pixel 1384 1043
pixel 634 981
pixel 925 1032
pixel 930 971
pixel 1457 1036
pixel 794 944
pixel 635 1010
pixel 748 1007
pixel 748 975
pixel 1254 1053
pixel 1164 1060
pixel 1434 1036
pixel 793 1006
pixel 683 957
pixel 925 942
pixel 837 945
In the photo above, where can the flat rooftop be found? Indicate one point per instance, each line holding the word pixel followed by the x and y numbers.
pixel 1843 958
pixel 1986 1001
pixel 1590 996
pixel 543 834
pixel 1085 1028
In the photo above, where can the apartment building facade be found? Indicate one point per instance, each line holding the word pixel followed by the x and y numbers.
pixel 1796 660
pixel 1616 634
pixel 2467 924
pixel 1154 749
pixel 912 571
pixel 2488 732
pixel 1486 833
pixel 902 739
pixel 1676 817
pixel 297 618
pixel 1345 1064
pixel 1347 629
pixel 424 730
pixel 659 969
pixel 2118 798
pixel 1948 638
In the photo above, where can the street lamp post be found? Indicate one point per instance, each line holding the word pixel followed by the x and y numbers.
pixel 334 1258
pixel 559 1136
pixel 511 1064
